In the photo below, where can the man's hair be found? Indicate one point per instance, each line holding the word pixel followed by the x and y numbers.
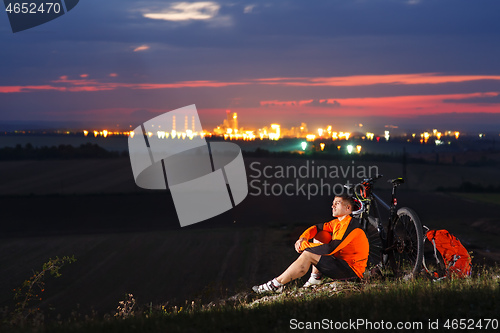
pixel 347 198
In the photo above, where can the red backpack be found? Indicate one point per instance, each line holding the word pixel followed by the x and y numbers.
pixel 454 259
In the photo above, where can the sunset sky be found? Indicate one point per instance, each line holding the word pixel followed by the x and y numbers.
pixel 406 63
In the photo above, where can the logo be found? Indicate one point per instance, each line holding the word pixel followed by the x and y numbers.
pixel 205 178
pixel 26 14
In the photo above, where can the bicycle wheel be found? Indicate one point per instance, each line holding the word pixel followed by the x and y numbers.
pixel 375 254
pixel 407 244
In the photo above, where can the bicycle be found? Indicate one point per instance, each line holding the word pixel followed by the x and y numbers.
pixel 400 243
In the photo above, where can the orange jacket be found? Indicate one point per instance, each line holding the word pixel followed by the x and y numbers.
pixel 348 243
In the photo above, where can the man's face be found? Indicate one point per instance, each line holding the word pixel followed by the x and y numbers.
pixel 340 207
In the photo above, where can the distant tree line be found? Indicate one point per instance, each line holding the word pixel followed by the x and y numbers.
pixel 469 187
pixel 392 157
pixel 29 152
pixel 335 155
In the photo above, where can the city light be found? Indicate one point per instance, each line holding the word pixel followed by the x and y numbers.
pixel 229 130
pixel 425 137
pixel 344 135
pixel 304 145
pixel 276 135
pixel 310 137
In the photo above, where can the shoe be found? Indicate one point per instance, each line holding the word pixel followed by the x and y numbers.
pixel 312 282
pixel 268 287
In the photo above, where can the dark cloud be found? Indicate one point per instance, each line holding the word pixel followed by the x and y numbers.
pixel 476 100
pixel 325 103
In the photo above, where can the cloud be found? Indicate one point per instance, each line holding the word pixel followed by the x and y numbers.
pixel 18 89
pixel 349 82
pixel 141 48
pixel 65 84
pixel 185 11
pixel 323 102
pixel 248 9
pixel 400 106
pixel 488 98
pixel 367 80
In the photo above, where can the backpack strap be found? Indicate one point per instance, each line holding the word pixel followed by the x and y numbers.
pixel 434 245
pixel 455 259
pixel 435 250
pixel 435 274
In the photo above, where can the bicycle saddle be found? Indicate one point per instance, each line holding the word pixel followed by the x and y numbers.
pixel 397 181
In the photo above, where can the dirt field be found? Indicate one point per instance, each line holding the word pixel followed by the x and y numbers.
pixel 128 240
pixel 97 176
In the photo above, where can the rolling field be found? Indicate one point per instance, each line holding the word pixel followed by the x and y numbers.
pixel 127 240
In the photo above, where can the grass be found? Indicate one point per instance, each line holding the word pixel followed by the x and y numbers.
pixel 414 302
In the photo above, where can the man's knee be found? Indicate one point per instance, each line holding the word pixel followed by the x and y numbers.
pixel 311 257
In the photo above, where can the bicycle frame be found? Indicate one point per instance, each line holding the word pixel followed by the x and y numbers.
pixel 374 200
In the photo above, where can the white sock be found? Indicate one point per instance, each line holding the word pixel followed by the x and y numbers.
pixel 316 276
pixel 276 283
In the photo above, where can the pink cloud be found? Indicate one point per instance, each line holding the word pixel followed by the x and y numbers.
pixel 365 80
pixel 141 48
pixel 65 84
pixel 19 89
pixel 392 105
pixel 85 84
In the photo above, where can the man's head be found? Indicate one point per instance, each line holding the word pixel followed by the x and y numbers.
pixel 342 205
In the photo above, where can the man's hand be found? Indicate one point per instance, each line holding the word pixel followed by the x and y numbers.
pixel 298 243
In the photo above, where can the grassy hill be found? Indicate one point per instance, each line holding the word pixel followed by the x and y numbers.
pixel 128 240
pixel 418 305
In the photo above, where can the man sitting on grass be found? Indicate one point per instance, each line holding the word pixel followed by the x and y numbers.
pixel 342 258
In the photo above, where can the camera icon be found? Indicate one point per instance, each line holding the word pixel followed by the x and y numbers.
pixel 205 178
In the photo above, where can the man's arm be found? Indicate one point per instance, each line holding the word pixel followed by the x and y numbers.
pixel 309 233
pixel 335 245
pixel 298 243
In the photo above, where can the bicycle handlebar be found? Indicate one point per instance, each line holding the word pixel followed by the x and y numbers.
pixel 372 179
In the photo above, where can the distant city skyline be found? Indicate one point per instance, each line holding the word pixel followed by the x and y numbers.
pixel 414 64
pixel 231 128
